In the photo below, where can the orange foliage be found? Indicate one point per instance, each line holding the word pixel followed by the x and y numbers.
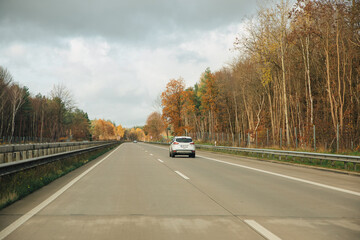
pixel 154 126
pixel 120 131
pixel 172 100
pixel 103 130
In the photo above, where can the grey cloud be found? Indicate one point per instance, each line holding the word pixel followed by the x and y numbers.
pixel 128 110
pixel 187 56
pixel 140 21
pixel 115 55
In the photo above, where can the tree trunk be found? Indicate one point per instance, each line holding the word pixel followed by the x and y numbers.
pixel 237 127
pixel 284 91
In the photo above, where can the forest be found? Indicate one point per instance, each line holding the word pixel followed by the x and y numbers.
pixel 26 118
pixel 295 83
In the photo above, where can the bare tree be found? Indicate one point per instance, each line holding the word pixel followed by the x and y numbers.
pixel 60 91
pixel 17 100
pixel 61 103
pixel 5 80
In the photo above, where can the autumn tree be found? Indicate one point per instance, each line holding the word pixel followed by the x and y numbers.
pixel 154 126
pixel 135 134
pixel 103 130
pixel 172 100
pixel 120 132
pixel 79 125
pixel 208 92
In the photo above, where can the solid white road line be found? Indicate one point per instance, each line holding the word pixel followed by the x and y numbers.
pixel 160 160
pixel 182 175
pixel 261 230
pixel 288 177
pixel 12 227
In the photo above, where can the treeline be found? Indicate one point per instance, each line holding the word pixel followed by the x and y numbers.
pixel 39 118
pixel 107 130
pixel 298 67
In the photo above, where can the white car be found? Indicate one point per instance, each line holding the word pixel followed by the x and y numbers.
pixel 182 146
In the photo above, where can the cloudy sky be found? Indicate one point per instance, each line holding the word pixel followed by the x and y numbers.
pixel 116 56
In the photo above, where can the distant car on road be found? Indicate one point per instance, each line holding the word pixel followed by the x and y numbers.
pixel 182 146
pixel 135 141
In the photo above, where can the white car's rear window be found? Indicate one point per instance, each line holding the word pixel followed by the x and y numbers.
pixel 183 140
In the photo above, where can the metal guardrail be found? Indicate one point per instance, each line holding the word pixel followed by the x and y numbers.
pixel 270 152
pixel 34 146
pixel 12 167
pixel 320 156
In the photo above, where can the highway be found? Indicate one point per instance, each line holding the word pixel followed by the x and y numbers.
pixel 138 192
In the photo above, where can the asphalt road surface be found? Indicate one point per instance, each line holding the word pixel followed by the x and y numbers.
pixel 138 192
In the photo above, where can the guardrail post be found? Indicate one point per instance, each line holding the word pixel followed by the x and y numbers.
pixel 30 154
pixel 296 140
pixel 337 138
pixel 2 158
pixel 24 155
pixel 17 156
pixel 256 139
pixel 240 139
pixel 9 157
pixel 314 138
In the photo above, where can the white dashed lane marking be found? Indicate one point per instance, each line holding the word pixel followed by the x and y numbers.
pixel 182 175
pixel 261 230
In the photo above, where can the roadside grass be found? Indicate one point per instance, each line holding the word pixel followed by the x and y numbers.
pixel 16 186
pixel 351 167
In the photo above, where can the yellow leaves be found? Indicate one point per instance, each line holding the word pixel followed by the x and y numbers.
pixel 120 131
pixel 208 90
pixel 136 134
pixel 103 130
pixel 189 105
pixel 266 75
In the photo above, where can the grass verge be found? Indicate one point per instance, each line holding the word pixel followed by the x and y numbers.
pixel 16 186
